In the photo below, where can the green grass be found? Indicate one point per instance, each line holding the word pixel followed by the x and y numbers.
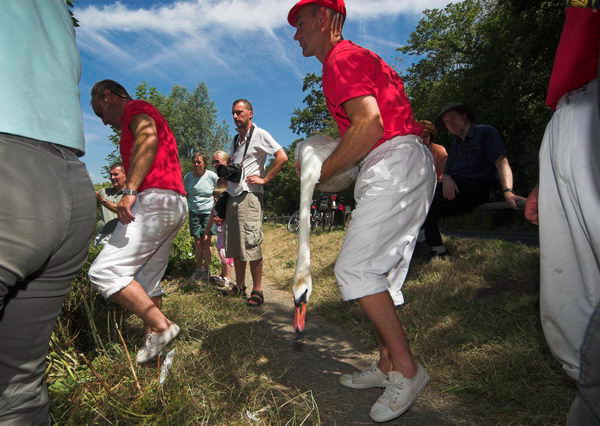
pixel 220 374
pixel 473 320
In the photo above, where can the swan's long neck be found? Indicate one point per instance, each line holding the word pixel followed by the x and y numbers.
pixel 310 171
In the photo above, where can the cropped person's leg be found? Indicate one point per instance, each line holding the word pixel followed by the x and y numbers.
pixel 207 255
pixel 240 273
pixel 43 244
pixel 570 246
pixel 585 410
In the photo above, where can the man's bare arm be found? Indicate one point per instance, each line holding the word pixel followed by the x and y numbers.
pixel 278 162
pixel 143 152
pixel 506 182
pixel 366 128
pixel 104 202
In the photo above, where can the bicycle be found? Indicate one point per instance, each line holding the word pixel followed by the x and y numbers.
pixel 294 222
pixel 323 214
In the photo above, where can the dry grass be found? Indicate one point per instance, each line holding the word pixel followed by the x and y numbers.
pixel 220 375
pixel 472 319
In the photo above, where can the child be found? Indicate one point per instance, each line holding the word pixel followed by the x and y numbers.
pixel 215 221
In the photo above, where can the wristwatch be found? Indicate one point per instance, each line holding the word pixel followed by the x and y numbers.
pixel 129 192
pixel 507 190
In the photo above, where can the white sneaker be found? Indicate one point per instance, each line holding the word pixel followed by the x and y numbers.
pixel 372 377
pixel 399 394
pixel 155 342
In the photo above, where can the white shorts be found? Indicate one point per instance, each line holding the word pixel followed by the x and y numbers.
pixel 569 201
pixel 140 250
pixel 393 192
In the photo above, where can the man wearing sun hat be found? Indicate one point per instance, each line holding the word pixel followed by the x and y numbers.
pixel 477 164
pixel 393 191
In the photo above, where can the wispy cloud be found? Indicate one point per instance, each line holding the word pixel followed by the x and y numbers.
pixel 190 32
pixel 226 15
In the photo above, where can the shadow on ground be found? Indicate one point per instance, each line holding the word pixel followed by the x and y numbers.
pixel 313 362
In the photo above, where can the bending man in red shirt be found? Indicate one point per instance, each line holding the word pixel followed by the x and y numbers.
pixel 153 208
pixel 393 192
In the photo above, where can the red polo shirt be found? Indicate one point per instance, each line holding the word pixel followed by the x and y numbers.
pixel 350 71
pixel 165 172
pixel 576 60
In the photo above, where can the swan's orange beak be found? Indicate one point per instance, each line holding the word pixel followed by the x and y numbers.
pixel 300 317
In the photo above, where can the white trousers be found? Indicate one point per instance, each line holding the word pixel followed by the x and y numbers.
pixel 393 192
pixel 140 249
pixel 569 207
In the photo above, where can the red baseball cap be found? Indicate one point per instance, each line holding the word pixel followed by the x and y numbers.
pixel 337 5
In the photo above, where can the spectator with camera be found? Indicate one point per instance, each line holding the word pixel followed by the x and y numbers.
pixel 246 177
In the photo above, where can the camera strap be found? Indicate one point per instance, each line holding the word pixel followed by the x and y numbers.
pixel 249 139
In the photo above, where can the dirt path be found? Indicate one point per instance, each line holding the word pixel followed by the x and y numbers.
pixel 315 360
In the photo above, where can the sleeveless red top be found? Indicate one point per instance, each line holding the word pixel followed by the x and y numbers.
pixel 165 172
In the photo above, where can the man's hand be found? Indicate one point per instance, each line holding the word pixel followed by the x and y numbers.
pixel 99 197
pixel 513 200
pixel 124 209
pixel 449 188
pixel 531 206
pixel 255 180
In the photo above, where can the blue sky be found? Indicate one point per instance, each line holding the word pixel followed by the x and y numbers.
pixel 238 48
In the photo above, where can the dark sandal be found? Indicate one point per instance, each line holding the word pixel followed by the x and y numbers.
pixel 257 297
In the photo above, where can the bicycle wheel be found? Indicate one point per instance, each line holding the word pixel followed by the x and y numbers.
pixel 314 220
pixel 323 216
pixel 293 223
pixel 329 217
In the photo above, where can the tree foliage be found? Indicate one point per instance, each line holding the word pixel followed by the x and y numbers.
pixel 282 195
pixel 192 116
pixel 314 118
pixel 495 55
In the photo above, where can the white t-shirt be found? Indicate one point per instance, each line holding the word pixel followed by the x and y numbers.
pixel 261 146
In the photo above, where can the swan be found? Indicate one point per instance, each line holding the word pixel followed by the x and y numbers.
pixel 310 154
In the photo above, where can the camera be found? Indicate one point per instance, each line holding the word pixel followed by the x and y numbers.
pixel 233 172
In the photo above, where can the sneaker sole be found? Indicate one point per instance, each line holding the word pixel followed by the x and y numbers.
pixel 407 406
pixel 361 386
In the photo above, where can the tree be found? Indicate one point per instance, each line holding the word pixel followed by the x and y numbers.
pixel 495 55
pixel 191 117
pixel 314 118
pixel 282 195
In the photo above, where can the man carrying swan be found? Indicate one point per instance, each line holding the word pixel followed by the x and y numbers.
pixel 393 192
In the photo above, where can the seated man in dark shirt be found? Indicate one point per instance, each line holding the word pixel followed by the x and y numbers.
pixel 477 163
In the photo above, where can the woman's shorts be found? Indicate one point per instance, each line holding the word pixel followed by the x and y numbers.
pixel 198 222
